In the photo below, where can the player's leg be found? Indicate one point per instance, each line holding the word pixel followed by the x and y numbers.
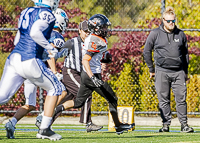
pixel 83 93
pixel 86 116
pixel 107 92
pixel 58 110
pixel 43 77
pixel 71 80
pixel 61 97
pixel 60 107
pixel 9 84
pixel 30 94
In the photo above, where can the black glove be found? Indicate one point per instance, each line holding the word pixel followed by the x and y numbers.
pixel 97 81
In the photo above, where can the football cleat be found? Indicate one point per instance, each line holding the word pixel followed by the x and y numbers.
pixel 92 127
pixel 10 129
pixel 124 127
pixel 48 134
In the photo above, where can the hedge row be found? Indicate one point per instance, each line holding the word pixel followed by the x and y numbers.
pixel 139 91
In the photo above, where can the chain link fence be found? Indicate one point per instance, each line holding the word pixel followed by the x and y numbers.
pixel 128 75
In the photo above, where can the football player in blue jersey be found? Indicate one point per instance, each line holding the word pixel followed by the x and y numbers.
pixel 57 40
pixel 25 61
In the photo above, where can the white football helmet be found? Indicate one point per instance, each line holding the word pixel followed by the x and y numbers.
pixel 53 4
pixel 62 19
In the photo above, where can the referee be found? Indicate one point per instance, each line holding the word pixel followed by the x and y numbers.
pixel 72 76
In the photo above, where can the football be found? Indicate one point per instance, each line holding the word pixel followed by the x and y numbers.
pixel 106 58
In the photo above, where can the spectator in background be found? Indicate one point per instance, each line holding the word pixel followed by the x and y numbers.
pixel 171 68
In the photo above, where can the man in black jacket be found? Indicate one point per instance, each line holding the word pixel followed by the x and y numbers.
pixel 171 68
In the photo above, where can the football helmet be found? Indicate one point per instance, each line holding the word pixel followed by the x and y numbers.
pixel 62 19
pixel 53 4
pixel 99 25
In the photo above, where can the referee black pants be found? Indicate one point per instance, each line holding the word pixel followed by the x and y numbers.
pixel 71 80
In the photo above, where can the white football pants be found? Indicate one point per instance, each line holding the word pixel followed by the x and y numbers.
pixel 16 71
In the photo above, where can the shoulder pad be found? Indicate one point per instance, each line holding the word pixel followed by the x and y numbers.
pixel 47 16
pixel 97 44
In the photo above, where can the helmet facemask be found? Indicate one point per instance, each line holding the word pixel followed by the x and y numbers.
pixel 100 25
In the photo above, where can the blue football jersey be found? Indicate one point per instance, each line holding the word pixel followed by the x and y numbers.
pixel 30 19
pixel 57 39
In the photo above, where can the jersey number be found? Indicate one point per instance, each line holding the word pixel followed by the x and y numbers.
pixel 58 43
pixel 24 18
pixel 94 46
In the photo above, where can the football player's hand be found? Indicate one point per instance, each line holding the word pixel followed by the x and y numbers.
pixel 52 52
pixel 59 76
pixel 97 81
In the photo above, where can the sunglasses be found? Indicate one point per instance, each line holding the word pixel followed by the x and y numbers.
pixel 168 21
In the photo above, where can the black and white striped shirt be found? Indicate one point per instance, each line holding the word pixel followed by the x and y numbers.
pixel 74 59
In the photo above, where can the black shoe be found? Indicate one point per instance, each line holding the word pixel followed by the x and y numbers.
pixel 165 128
pixel 92 127
pixel 186 129
pixel 48 134
pixel 124 127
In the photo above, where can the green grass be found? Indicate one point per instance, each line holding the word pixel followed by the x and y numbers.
pixel 140 135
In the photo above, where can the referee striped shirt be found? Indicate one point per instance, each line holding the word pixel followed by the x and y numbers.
pixel 74 59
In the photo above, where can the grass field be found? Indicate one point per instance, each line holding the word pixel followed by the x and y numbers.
pixel 77 134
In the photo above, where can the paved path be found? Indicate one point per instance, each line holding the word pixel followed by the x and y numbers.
pixel 103 120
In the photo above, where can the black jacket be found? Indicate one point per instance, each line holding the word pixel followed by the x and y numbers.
pixel 170 50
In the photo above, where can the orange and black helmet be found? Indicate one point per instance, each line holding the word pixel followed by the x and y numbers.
pixel 100 25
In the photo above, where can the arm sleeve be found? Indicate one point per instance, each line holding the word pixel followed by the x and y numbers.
pixel 68 44
pixel 148 51
pixel 91 54
pixel 36 34
pixel 17 37
pixel 64 50
pixel 185 55
pixel 62 53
